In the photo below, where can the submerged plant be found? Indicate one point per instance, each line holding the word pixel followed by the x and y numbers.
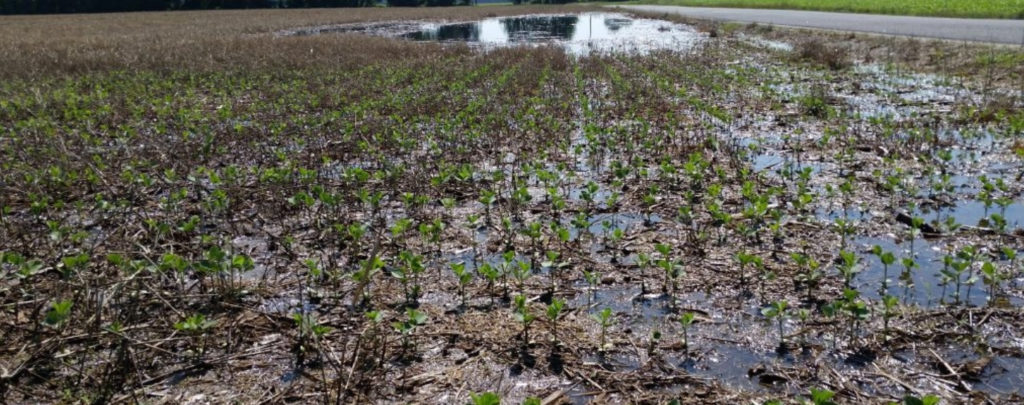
pixel 777 312
pixel 992 278
pixel 642 261
pixel 671 269
pixel 593 278
pixel 685 321
pixel 887 259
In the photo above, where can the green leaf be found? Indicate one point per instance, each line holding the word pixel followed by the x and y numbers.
pixel 487 398
pixel 555 308
pixel 926 400
pixel 687 319
pixel 59 312
pixel 822 396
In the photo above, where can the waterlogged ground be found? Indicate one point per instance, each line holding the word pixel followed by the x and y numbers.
pixel 740 219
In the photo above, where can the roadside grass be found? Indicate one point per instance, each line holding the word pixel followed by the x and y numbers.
pixel 938 8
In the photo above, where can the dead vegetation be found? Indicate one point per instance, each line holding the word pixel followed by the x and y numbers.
pixel 818 51
pixel 45 46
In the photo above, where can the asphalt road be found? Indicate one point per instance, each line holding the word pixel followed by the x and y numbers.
pixel 961 29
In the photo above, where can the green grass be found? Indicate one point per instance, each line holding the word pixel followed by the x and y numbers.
pixel 940 8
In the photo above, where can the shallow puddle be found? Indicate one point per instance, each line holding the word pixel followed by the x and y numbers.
pixel 978 213
pixel 924 284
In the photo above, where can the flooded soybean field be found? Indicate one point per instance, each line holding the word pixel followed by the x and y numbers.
pixel 624 209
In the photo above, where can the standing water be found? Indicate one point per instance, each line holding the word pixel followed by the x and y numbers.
pixel 579 34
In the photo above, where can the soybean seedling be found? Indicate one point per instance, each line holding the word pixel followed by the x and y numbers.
pixel 367 269
pixel 907 276
pixel 672 271
pixel 642 261
pixel 195 326
pixel 414 319
pixel 407 272
pixel 491 274
pixel 803 314
pixel 889 307
pixel 887 259
pixel 309 333
pixel 59 314
pixel 925 400
pixel 614 239
pixel 992 278
pixel 822 397
pixel 553 312
pixel 653 343
pixel 505 268
pixel 746 259
pixel 847 267
pixel 969 254
pixel 487 198
pixel 534 232
pixel 524 317
pixel 809 275
pixel 605 319
pixel 464 278
pixel 522 272
pixel 685 321
pixel 486 398
pixel 553 265
pixel 777 312
pixel 845 228
pixel 592 278
pixel 854 308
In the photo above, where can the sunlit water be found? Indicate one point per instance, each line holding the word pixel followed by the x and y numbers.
pixel 579 34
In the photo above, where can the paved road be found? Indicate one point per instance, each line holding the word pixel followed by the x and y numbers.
pixel 965 29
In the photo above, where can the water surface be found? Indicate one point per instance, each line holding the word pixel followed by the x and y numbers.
pixel 579 34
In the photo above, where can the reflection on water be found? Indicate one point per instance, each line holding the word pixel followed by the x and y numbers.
pixel 539 28
pixel 448 32
pixel 579 33
pixel 504 30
